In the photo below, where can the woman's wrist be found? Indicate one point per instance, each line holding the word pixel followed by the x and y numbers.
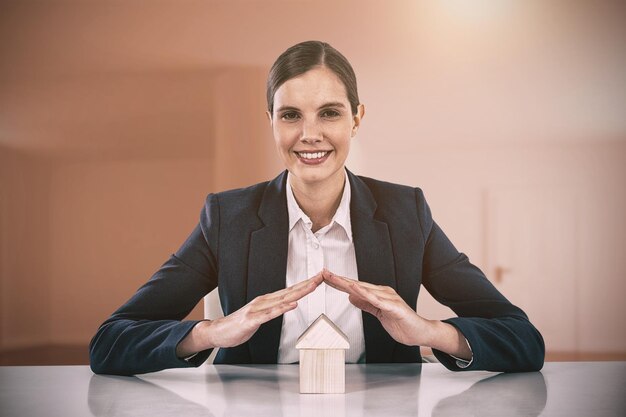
pixel 448 339
pixel 197 340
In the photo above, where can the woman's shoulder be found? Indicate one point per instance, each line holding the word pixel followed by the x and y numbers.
pixel 238 198
pixel 380 187
pixel 237 194
pixel 393 200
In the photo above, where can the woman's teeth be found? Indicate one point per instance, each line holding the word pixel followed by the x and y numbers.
pixel 312 155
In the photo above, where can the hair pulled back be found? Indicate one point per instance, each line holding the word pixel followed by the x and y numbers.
pixel 305 56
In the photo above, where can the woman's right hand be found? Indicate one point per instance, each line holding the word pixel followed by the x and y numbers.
pixel 238 327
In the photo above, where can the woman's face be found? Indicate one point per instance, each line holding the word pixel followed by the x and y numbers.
pixel 313 124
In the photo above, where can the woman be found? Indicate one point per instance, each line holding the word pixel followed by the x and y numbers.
pixel 316 239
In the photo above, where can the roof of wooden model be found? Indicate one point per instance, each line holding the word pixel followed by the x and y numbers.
pixel 323 334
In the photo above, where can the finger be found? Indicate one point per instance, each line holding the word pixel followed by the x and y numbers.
pixel 287 295
pixel 380 293
pixel 261 304
pixel 312 282
pixel 317 279
pixel 344 282
pixel 374 299
pixel 338 278
pixel 262 316
pixel 350 287
pixel 298 294
pixel 361 304
pixel 306 285
pixel 338 283
pixel 298 290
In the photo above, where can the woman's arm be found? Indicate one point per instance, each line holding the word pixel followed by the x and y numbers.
pixel 400 320
pixel 142 335
pixel 238 327
pixel 499 333
pixel 146 334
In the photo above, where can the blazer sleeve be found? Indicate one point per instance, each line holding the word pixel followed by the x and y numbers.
pixel 142 335
pixel 500 335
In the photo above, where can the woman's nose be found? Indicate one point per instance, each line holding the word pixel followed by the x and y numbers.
pixel 311 132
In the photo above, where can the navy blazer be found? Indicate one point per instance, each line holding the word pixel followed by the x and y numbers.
pixel 240 245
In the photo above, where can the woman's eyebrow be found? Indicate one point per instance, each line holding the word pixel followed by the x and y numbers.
pixel 323 106
pixel 283 108
pixel 332 104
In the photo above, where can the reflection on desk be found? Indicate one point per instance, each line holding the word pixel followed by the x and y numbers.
pixel 519 394
pixel 572 389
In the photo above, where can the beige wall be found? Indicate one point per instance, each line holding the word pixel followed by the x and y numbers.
pixel 80 235
pixel 24 249
pixel 112 224
pixel 79 238
pixel 586 181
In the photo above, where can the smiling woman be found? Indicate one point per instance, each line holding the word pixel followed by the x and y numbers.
pixel 313 127
pixel 316 239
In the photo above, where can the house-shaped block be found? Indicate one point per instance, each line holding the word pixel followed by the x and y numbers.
pixel 322 358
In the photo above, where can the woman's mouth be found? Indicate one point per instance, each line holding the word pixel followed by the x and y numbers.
pixel 313 158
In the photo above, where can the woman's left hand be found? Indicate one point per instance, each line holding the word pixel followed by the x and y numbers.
pixel 401 321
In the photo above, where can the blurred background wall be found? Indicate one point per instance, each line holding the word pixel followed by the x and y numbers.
pixel 118 117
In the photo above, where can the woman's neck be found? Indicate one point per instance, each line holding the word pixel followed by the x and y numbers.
pixel 319 200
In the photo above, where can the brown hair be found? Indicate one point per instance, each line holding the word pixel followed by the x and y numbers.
pixel 305 56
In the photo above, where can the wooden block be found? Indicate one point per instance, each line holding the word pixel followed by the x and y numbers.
pixel 322 371
pixel 323 334
pixel 322 358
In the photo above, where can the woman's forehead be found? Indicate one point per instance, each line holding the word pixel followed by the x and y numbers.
pixel 313 88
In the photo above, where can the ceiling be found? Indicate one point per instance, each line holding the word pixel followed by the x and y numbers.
pixel 87 77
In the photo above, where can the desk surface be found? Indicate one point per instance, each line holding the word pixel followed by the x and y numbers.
pixel 561 389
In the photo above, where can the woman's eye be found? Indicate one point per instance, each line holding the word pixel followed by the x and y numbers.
pixel 329 114
pixel 290 116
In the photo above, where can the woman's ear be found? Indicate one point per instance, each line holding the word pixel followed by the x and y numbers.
pixel 269 117
pixel 356 120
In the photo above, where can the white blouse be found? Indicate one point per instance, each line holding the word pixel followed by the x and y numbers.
pixel 332 248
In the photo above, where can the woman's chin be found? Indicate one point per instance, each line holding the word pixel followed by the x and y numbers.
pixel 315 175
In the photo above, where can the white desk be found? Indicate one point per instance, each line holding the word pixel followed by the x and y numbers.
pixel 560 389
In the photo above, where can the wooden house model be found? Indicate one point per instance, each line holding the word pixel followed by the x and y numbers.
pixel 322 358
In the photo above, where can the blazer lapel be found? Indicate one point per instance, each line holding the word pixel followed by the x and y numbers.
pixel 267 265
pixel 375 264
